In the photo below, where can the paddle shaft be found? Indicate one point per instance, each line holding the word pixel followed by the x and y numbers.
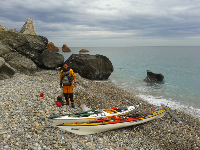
pixel 136 107
pixel 171 113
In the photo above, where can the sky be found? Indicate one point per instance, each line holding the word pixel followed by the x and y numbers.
pixel 108 23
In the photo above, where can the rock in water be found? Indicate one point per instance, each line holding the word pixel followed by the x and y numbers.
pixel 65 48
pixel 51 47
pixel 83 51
pixel 153 77
pixel 28 27
pixel 20 62
pixel 51 60
pixel 93 67
pixel 6 71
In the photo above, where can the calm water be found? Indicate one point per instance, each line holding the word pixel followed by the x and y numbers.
pixel 179 65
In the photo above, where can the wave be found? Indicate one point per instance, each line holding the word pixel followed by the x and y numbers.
pixel 172 104
pixel 144 93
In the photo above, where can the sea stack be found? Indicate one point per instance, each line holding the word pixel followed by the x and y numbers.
pixel 28 27
pixel 52 47
pixel 65 48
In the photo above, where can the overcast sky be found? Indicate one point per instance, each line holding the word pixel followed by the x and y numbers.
pixel 108 23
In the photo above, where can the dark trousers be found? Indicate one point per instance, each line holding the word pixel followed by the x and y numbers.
pixel 69 96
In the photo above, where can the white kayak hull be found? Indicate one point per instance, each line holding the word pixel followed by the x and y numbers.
pixel 84 130
pixel 66 120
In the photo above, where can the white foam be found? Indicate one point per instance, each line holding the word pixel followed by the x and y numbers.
pixel 171 104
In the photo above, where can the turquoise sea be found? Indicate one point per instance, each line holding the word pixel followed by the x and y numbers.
pixel 179 65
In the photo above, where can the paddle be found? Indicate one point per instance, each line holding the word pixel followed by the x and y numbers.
pixel 171 113
pixel 136 107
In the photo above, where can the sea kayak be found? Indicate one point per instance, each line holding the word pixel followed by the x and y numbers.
pixel 111 123
pixel 87 115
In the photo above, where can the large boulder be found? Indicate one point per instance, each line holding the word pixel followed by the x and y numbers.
pixel 20 63
pixel 28 27
pixel 51 47
pixel 93 67
pixel 51 60
pixel 65 48
pixel 153 77
pixel 29 45
pixel 6 71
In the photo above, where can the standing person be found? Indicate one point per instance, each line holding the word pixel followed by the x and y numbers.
pixel 66 82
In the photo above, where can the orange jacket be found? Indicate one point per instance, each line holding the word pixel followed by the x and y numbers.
pixel 71 72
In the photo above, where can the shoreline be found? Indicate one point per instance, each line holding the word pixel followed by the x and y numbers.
pixel 22 114
pixel 195 112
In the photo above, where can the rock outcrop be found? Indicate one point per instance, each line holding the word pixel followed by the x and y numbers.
pixel 28 27
pixel 153 77
pixel 25 53
pixel 4 49
pixel 93 67
pixel 31 46
pixel 6 71
pixel 65 48
pixel 51 47
pixel 20 63
pixel 83 51
pixel 51 60
pixel 2 28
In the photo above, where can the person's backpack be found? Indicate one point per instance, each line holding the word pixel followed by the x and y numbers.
pixel 59 101
pixel 67 78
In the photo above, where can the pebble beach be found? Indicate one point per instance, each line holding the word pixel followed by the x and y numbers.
pixel 22 113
